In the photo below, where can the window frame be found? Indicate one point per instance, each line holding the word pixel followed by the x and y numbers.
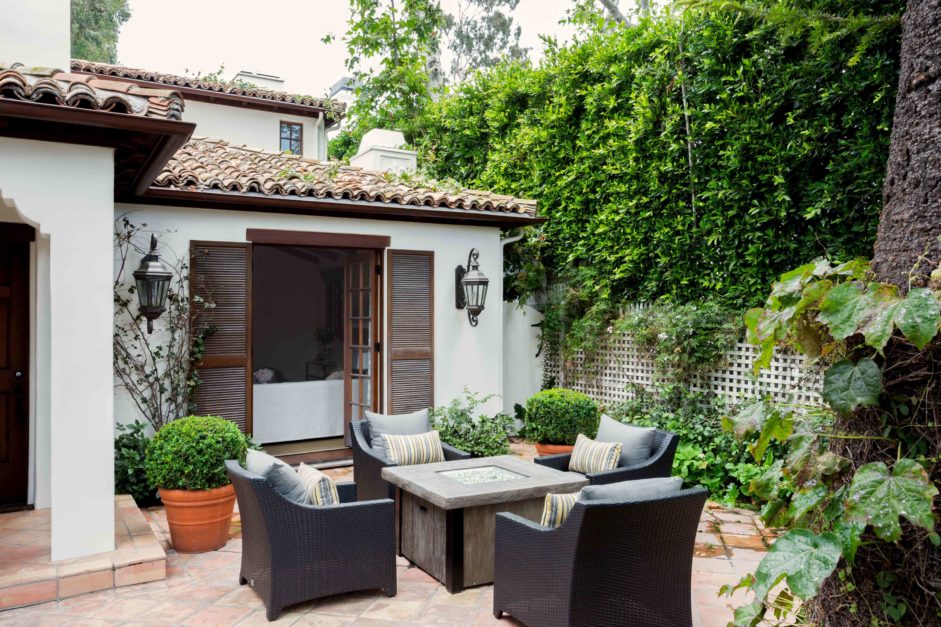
pixel 300 137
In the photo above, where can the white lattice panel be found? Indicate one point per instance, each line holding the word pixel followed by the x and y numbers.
pixel 621 363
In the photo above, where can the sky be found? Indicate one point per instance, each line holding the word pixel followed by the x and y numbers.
pixel 281 37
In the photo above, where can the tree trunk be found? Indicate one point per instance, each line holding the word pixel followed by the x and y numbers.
pixel 907 246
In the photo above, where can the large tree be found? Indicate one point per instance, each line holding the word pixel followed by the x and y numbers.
pixel 95 27
pixel 480 34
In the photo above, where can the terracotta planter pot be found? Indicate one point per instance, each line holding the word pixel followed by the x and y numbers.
pixel 552 449
pixel 199 519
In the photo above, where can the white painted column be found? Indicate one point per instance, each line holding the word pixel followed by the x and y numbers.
pixel 67 192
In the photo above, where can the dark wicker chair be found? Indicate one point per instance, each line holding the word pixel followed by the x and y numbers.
pixel 367 466
pixel 293 553
pixel 660 464
pixel 610 563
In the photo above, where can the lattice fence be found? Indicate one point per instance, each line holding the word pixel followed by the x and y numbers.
pixel 621 363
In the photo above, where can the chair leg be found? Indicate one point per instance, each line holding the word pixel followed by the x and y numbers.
pixel 242 580
pixel 272 613
pixel 498 614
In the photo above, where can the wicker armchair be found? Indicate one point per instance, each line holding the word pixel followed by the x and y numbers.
pixel 293 553
pixel 660 464
pixel 367 466
pixel 610 563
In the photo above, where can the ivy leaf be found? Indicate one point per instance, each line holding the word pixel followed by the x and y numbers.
pixel 800 557
pixel 879 309
pixel 765 486
pixel 748 420
pixel 918 317
pixel 749 615
pixel 879 498
pixel 777 426
pixel 841 308
pixel 808 459
pixel 850 534
pixel 805 500
pixel 847 385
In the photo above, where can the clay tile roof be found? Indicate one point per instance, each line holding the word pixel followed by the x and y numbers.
pixel 235 89
pixel 213 165
pixel 51 86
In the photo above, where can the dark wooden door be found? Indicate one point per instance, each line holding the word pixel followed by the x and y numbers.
pixel 14 363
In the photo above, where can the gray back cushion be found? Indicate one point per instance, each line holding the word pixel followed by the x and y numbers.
pixel 637 490
pixel 281 476
pixel 636 442
pixel 400 424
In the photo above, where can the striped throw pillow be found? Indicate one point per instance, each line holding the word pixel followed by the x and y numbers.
pixel 405 450
pixel 557 509
pixel 320 487
pixel 590 456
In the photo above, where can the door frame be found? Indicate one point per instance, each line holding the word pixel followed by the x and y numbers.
pixel 24 234
pixel 378 244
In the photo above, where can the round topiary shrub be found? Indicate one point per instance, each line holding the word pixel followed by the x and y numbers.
pixel 558 415
pixel 188 453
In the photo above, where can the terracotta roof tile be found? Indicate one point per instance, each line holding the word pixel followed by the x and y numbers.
pixel 51 86
pixel 213 165
pixel 119 71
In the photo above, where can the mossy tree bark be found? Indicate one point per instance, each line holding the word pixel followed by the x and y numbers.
pixel 907 243
pixel 907 249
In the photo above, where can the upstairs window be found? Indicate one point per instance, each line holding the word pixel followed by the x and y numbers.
pixel 292 138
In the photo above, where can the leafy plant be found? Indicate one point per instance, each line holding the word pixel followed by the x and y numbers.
pixel 188 453
pixel 685 340
pixel 461 425
pixel 839 314
pixel 558 415
pixel 130 453
pixel 95 27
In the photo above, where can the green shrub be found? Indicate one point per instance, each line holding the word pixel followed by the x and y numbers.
pixel 558 415
pixel 130 452
pixel 707 455
pixel 460 425
pixel 188 453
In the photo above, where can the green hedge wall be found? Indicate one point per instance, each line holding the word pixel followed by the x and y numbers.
pixel 789 142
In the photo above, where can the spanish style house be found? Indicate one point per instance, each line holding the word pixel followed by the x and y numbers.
pixel 333 286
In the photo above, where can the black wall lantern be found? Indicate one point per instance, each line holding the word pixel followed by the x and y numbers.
pixel 153 281
pixel 471 287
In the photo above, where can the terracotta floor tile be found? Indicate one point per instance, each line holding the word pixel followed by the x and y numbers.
pixel 465 598
pixel 754 542
pixel 394 610
pixel 215 615
pixel 738 529
pixel 259 618
pixel 122 609
pixel 352 604
pixel 322 620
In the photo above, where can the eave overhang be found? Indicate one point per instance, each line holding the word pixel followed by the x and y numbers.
pixel 142 146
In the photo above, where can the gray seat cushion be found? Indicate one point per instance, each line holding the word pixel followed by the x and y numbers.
pixel 414 423
pixel 636 442
pixel 282 477
pixel 637 490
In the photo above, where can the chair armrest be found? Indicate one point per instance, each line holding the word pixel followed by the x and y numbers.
pixel 559 462
pixel 451 453
pixel 347 491
pixel 660 464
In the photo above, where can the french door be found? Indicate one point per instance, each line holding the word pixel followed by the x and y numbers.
pixel 361 338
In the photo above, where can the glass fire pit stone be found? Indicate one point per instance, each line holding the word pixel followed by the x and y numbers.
pixel 481 474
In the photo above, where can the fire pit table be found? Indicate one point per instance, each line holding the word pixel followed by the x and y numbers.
pixel 446 511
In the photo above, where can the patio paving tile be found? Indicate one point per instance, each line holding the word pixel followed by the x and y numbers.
pixel 203 589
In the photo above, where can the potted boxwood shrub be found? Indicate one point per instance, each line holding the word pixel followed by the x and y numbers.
pixel 185 461
pixel 555 417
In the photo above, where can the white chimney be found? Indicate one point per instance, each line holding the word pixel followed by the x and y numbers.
pixel 264 81
pixel 381 149
pixel 35 33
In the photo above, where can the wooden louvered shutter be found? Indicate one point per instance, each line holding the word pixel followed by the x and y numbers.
pixel 220 273
pixel 411 331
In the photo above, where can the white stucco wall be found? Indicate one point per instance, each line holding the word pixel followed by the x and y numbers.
pixel 252 128
pixel 522 370
pixel 71 360
pixel 464 355
pixel 35 32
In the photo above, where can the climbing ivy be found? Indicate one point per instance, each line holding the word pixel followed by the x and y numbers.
pixel 788 137
pixel 838 314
